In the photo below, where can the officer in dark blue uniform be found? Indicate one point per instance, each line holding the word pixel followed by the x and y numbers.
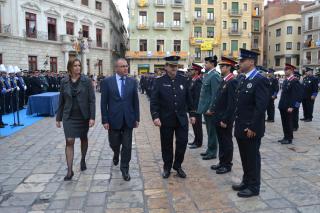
pixel 223 110
pixel 3 91
pixel 273 92
pixel 170 101
pixel 289 101
pixel 310 91
pixel 252 97
pixel 300 97
pixel 196 85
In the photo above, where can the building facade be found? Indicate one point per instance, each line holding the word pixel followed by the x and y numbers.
pixel 284 34
pixel 44 34
pixel 310 52
pixel 157 29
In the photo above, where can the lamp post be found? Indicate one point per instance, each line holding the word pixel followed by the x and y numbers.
pixel 46 62
pixel 81 46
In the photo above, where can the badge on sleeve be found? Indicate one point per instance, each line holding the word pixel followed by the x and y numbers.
pixel 181 86
pixel 249 85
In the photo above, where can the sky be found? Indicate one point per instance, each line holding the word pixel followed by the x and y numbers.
pixel 122 5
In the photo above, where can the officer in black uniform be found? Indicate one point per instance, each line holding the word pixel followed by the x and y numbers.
pixel 273 92
pixel 169 104
pixel 252 97
pixel 296 110
pixel 3 91
pixel 22 89
pixel 223 110
pixel 289 101
pixel 196 84
pixel 310 89
pixel 37 86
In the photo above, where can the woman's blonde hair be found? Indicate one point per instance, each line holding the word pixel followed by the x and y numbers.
pixel 71 63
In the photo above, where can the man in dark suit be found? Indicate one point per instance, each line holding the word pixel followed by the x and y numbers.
pixel 273 92
pixel 36 83
pixel 223 111
pixel 170 101
pixel 252 97
pixel 310 89
pixel 120 113
pixel 288 103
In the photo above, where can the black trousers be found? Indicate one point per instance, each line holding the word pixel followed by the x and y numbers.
pixel 166 137
pixel 287 124
pixel 118 137
pixel 295 118
pixel 21 99
pixel 270 109
pixel 225 145
pixel 307 105
pixel 197 129
pixel 251 162
pixel 8 102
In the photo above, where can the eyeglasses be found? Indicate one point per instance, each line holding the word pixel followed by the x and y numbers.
pixel 123 66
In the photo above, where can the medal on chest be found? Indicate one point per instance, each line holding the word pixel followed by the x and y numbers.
pixel 249 85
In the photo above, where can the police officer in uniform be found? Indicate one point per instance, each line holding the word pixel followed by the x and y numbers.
pixel 15 89
pixel 196 84
pixel 300 95
pixel 37 86
pixel 169 104
pixel 273 92
pixel 210 85
pixel 22 86
pixel 223 110
pixel 310 88
pixel 7 100
pixel 289 101
pixel 3 91
pixel 252 97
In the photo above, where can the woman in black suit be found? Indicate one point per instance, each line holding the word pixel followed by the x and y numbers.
pixel 76 111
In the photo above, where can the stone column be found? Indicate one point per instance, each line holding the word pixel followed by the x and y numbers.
pixel 66 59
pixel 84 64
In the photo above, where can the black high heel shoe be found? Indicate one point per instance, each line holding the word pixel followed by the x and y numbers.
pixel 83 165
pixel 68 178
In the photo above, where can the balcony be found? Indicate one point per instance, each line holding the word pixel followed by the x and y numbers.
pixel 211 22
pixel 176 26
pixel 235 32
pixel 311 62
pixel 256 29
pixel 98 45
pixel 160 3
pixel 311 44
pixel 38 35
pixel 235 12
pixel 256 14
pixel 143 26
pixel 198 20
pixel 154 54
pixel 255 46
pixel 313 26
pixel 177 3
pixel 160 26
pixel 5 30
pixel 142 3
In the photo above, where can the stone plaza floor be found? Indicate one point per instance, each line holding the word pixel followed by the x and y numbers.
pixel 32 167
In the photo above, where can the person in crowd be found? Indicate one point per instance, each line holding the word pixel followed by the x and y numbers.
pixel 273 92
pixel 310 89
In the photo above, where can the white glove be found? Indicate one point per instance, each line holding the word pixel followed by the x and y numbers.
pixel 18 88
pixel 25 87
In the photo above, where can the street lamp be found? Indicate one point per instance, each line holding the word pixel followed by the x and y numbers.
pixel 46 62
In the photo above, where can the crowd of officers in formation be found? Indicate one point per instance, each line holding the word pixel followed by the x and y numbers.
pixel 231 103
pixel 16 86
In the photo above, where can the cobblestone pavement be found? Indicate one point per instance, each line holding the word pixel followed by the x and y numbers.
pixel 32 167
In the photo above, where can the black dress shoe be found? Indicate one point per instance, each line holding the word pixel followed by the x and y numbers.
pixel 68 178
pixel 83 165
pixel 247 193
pixel 286 142
pixel 270 121
pixel 203 154
pixel 239 187
pixel 181 173
pixel 308 120
pixel 283 139
pixel 191 143
pixel 126 176
pixel 295 129
pixel 115 160
pixel 215 167
pixel 194 146
pixel 223 170
pixel 209 157
pixel 166 173
pixel 302 119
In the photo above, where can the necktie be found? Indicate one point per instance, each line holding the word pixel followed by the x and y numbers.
pixel 122 86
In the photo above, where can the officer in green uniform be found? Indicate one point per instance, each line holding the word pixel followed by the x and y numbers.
pixel 208 93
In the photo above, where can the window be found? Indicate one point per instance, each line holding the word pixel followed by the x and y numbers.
pixel 277 62
pixel 224 24
pixel 245 7
pixel 100 70
pixel 197 32
pixel 99 37
pixel 277 47
pixel 234 25
pixel 88 65
pixel 176 19
pixel 70 28
pixel 244 45
pixel 210 2
pixel 269 34
pixel 234 45
pixel 256 25
pixel 31 25
pixel 210 53
pixel 310 22
pixel 54 64
pixel 210 32
pixel 197 12
pixel 52 29
pixel 142 18
pixel 1 58
pixel 210 14
pixel 308 57
pixel 85 31
pixel 98 5
pixel 278 32
pixel 160 18
pixel 245 25
pixel 143 44
pixel 289 45
pixel 32 61
pixel 160 45
pixel 298 45
pixel 288 60
pixel 235 7
pixel 256 43
pixel 225 5
pixel 197 53
pixel 197 2
pixel 177 45
pixel 84 2
pixel 257 10
pixel 224 46
pixel 299 30
pixel 298 60
pixel 289 30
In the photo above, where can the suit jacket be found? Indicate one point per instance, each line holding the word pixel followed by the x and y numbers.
pixel 196 85
pixel 85 96
pixel 291 95
pixel 252 98
pixel 171 100
pixel 310 87
pixel 210 85
pixel 273 87
pixel 115 110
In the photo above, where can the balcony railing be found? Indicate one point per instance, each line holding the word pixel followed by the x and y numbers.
pixel 95 44
pixel 5 29
pixel 175 26
pixel 255 46
pixel 311 62
pixel 143 26
pixel 313 26
pixel 256 29
pixel 198 20
pixel 256 14
pixel 233 31
pixel 177 3
pixel 233 12
pixel 45 36
pixel 211 21
pixel 142 3
pixel 160 3
pixel 160 26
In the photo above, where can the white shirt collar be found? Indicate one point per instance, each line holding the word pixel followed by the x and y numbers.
pixel 249 73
